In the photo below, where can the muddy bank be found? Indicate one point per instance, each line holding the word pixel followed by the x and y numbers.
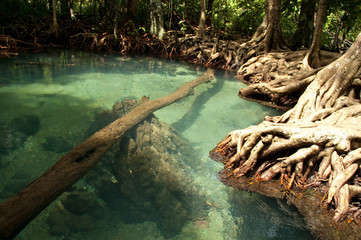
pixel 319 218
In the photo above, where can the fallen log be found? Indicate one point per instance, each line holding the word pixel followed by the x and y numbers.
pixel 17 211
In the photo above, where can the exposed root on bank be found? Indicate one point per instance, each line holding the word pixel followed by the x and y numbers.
pixel 278 78
pixel 10 46
pixel 303 154
pixel 315 144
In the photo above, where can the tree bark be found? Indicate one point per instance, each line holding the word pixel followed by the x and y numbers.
pixel 303 35
pixel 156 18
pixel 273 38
pixel 209 15
pixel 19 210
pixel 131 9
pixel 55 26
pixel 268 36
pixel 312 59
pixel 116 20
pixel 259 34
pixel 202 20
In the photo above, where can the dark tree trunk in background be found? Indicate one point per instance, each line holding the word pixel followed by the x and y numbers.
pixel 202 20
pixel 64 7
pixel 50 2
pixel 268 36
pixel 131 9
pixel 209 15
pixel 312 59
pixel 55 26
pixel 303 35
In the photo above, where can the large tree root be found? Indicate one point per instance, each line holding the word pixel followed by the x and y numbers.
pixel 278 79
pixel 303 154
pixel 317 143
pixel 20 209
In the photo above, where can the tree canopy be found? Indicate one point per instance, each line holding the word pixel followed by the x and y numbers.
pixel 234 19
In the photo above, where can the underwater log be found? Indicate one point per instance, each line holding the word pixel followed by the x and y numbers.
pixel 17 211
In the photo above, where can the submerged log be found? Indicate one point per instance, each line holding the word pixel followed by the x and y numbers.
pixel 147 176
pixel 152 167
pixel 17 211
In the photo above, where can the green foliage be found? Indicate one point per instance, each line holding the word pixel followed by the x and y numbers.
pixel 342 25
pixel 11 10
pixel 183 25
pixel 142 16
pixel 181 14
pixel 231 17
pixel 345 17
pixel 131 30
pixel 241 17
pixel 290 11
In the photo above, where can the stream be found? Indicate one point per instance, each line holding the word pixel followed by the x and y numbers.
pixel 49 100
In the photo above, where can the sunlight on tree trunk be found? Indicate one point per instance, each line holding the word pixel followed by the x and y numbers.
pixel 156 18
pixel 273 39
pixel 312 59
pixel 202 20
pixel 115 28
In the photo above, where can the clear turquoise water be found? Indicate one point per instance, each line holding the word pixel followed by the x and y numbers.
pixel 65 89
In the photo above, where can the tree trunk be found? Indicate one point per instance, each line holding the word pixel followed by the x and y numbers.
pixel 303 35
pixel 259 34
pixel 156 18
pixel 115 28
pixel 19 210
pixel 316 143
pixel 209 15
pixel 131 9
pixel 202 20
pixel 55 26
pixel 268 36
pixel 312 59
pixel 273 39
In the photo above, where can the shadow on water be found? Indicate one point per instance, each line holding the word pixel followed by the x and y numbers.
pixel 193 113
pixel 152 167
pixel 267 218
